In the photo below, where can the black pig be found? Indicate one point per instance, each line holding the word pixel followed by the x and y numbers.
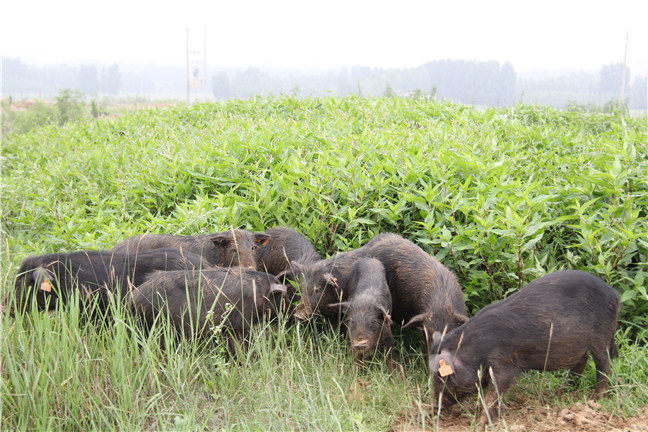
pixel 54 277
pixel 551 324
pixel 229 248
pixel 198 301
pixel 424 292
pixel 367 310
pixel 284 246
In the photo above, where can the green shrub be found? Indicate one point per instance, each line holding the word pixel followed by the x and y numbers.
pixel 70 106
pixel 501 196
pixel 36 115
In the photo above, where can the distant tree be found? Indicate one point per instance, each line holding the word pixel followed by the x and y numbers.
pixel 389 92
pixel 343 84
pixel 433 93
pixel 221 86
pixel 614 105
pixel 590 107
pixel 88 79
pixel 295 90
pixel 610 78
pixel 418 94
pixel 639 93
pixel 111 80
pixel 506 90
pixel 251 82
pixel 69 105
pixel 97 109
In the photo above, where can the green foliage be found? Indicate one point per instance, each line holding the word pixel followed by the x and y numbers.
pixel 583 107
pixel 97 108
pixel 70 106
pixel 389 92
pixel 418 94
pixel 501 196
pixel 615 105
pixel 23 121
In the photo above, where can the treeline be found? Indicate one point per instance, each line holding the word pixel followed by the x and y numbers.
pixel 482 83
pixel 19 78
pixel 586 89
pixel 470 82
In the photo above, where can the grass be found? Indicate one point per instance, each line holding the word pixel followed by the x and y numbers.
pixel 501 196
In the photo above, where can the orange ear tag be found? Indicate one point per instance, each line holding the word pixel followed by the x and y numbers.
pixel 445 369
pixel 45 286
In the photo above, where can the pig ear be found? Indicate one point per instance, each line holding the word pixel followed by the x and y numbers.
pixel 288 274
pixel 278 289
pixel 416 321
pixel 342 306
pixel 436 337
pixel 221 239
pixel 261 239
pixel 459 318
pixel 331 280
pixel 386 315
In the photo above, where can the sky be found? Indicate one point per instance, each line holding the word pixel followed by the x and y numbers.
pixel 539 35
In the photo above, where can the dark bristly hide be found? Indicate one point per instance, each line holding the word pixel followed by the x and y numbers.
pixel 368 309
pixel 554 323
pixel 229 248
pixel 53 278
pixel 284 246
pixel 198 302
pixel 424 293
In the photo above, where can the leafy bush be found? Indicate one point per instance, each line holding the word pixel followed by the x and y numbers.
pixel 70 105
pixel 501 196
pixel 37 115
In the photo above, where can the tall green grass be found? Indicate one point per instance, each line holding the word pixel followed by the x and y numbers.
pixel 500 196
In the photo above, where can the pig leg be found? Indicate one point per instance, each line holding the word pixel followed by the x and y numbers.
pixel 602 363
pixel 499 380
pixel 575 372
pixel 237 345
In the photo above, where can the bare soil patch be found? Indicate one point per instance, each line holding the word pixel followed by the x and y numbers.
pixel 531 416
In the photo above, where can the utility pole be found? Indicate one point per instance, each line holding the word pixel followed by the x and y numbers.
pixel 188 95
pixel 623 72
pixel 205 58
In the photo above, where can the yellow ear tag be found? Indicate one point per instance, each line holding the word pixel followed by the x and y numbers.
pixel 45 286
pixel 445 369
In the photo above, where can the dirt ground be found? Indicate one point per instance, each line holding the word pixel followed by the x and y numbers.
pixel 532 416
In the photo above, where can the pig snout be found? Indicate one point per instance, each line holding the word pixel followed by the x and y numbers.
pixel 360 347
pixel 247 262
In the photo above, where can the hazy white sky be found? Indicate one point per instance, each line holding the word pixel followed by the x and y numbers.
pixel 544 34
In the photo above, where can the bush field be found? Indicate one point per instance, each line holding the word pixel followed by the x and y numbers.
pixel 500 196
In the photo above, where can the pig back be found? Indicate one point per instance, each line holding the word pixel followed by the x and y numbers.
pixel 417 281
